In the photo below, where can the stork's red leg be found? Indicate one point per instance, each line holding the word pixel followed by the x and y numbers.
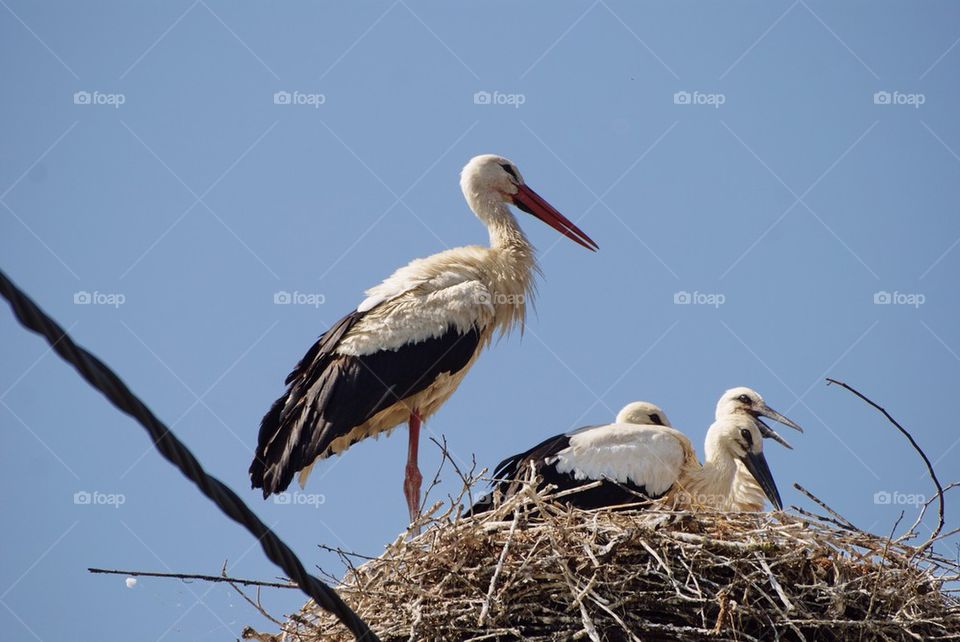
pixel 412 479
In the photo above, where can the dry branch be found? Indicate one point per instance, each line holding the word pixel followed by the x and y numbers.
pixel 194 576
pixel 916 446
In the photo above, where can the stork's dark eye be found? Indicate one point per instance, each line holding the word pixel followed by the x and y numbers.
pixel 509 170
pixel 747 437
pixel 655 418
pixel 744 398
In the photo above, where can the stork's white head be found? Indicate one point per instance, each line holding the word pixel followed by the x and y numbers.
pixel 489 175
pixel 734 436
pixel 643 413
pixel 488 181
pixel 739 438
pixel 746 401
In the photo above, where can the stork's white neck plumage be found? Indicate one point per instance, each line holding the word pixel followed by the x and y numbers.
pixel 505 232
pixel 712 484
pixel 511 261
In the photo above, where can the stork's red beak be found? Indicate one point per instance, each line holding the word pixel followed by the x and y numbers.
pixel 531 203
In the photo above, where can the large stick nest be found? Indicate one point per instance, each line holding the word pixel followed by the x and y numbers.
pixel 533 570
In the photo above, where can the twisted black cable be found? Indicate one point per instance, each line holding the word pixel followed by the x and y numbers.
pixel 107 382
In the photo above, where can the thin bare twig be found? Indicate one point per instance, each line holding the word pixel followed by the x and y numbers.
pixel 496 572
pixel 883 561
pixel 468 478
pixel 843 521
pixel 343 552
pixel 255 604
pixel 192 576
pixel 436 478
pixel 819 518
pixel 912 531
pixel 916 447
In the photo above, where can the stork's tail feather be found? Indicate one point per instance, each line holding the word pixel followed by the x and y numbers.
pixel 330 394
pixel 262 472
pixel 280 451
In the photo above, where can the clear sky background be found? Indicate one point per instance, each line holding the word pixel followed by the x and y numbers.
pixel 181 198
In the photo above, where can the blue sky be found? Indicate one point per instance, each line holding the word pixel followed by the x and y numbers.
pixel 740 154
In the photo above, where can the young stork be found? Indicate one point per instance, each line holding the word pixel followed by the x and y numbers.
pixel 511 470
pixel 647 458
pixel 748 494
pixel 407 346
pixel 643 413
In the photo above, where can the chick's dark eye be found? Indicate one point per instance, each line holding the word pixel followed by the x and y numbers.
pixel 747 437
pixel 744 398
pixel 655 418
pixel 509 170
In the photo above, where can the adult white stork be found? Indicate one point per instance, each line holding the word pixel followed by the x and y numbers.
pixel 407 346
pixel 652 460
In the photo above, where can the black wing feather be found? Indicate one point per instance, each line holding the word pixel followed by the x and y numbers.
pixel 510 472
pixel 330 394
